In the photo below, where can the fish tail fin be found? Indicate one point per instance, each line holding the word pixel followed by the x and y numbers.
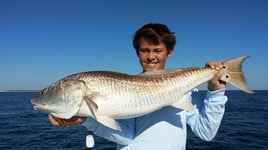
pixel 234 75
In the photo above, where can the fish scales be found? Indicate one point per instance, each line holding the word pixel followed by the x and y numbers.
pixel 147 92
pixel 153 91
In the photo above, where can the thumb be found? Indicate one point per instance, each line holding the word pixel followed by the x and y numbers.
pixel 215 83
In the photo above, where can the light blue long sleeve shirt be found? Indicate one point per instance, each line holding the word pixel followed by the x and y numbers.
pixel 166 128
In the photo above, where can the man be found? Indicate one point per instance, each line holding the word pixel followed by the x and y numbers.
pixel 165 128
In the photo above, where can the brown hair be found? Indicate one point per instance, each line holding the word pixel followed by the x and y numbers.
pixel 155 33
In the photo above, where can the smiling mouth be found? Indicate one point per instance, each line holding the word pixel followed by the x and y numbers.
pixel 151 64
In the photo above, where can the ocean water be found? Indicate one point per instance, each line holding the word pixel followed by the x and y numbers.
pixel 244 126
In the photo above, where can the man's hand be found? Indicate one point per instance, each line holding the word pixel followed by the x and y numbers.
pixel 66 122
pixel 215 83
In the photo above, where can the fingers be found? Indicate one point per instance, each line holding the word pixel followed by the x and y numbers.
pixel 215 83
pixel 215 65
pixel 65 122
pixel 217 77
pixel 52 120
pixel 57 121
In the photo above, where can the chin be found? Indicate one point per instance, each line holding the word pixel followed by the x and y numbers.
pixel 150 69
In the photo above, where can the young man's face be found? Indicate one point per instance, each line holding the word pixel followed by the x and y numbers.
pixel 153 57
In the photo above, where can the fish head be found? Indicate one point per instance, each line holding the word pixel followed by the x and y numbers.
pixel 61 99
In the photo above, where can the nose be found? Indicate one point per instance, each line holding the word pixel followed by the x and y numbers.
pixel 150 57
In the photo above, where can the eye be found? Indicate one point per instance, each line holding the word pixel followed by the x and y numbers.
pixel 43 92
pixel 143 50
pixel 158 50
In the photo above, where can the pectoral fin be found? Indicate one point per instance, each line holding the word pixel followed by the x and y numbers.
pixel 92 106
pixel 105 120
pixel 90 99
pixel 108 122
pixel 184 103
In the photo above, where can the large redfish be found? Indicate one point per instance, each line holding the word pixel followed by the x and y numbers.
pixel 107 96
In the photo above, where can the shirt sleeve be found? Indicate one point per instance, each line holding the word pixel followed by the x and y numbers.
pixel 206 118
pixel 122 137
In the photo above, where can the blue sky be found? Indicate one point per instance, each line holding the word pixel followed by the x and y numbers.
pixel 41 41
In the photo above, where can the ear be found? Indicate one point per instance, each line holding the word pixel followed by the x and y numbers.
pixel 170 53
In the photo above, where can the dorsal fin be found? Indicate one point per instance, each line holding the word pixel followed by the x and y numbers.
pixel 164 71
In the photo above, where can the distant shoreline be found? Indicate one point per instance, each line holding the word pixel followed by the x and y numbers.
pixel 19 90
pixel 40 90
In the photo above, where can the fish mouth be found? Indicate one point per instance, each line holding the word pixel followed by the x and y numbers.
pixel 33 101
pixel 36 103
pixel 48 109
pixel 42 108
pixel 37 106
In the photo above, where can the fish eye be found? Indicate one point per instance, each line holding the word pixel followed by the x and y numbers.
pixel 43 92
